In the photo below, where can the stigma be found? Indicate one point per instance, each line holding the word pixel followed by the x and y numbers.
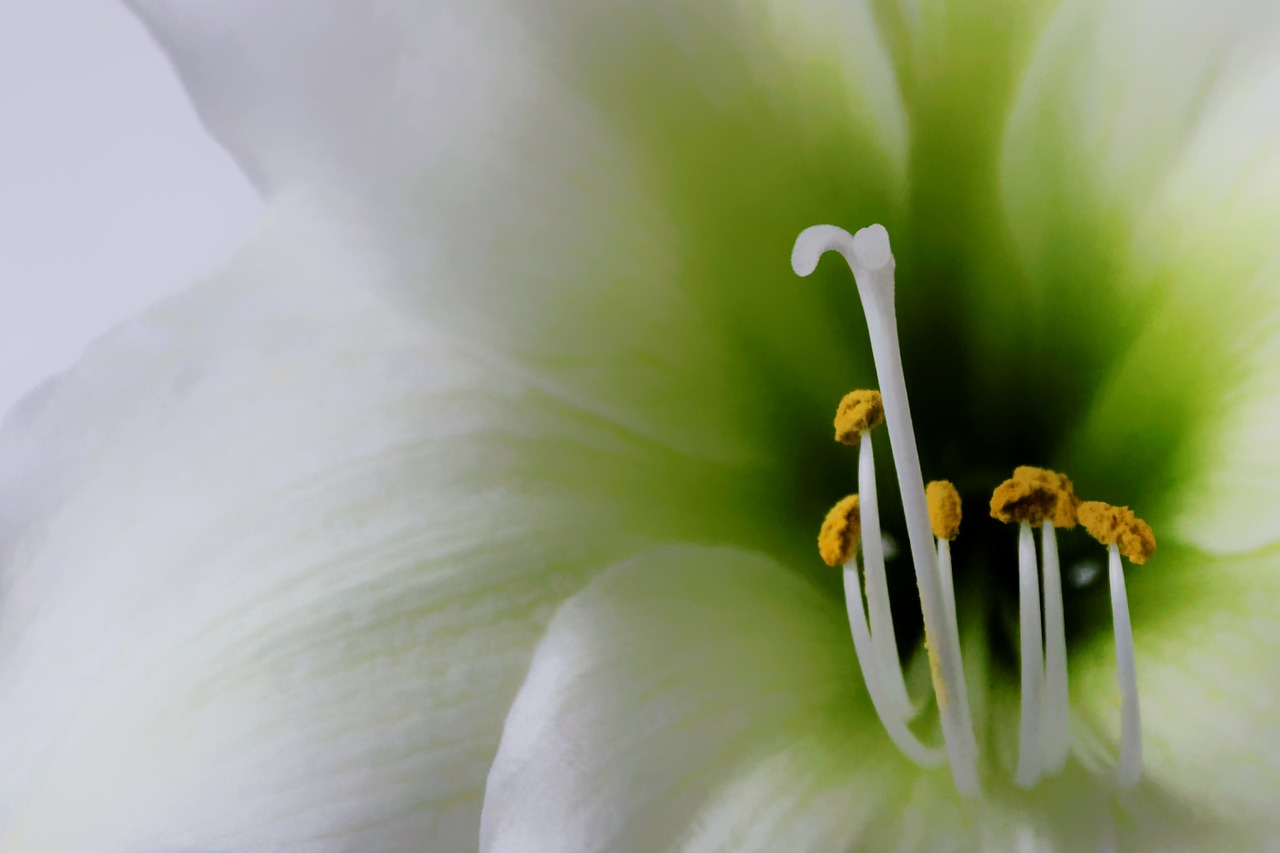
pixel 1032 498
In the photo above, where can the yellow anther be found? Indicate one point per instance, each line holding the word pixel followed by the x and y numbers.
pixel 944 508
pixel 1064 513
pixel 1117 525
pixel 841 530
pixel 859 412
pixel 1035 495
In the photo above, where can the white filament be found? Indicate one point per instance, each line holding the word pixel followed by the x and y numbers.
pixel 893 723
pixel 886 643
pixel 871 260
pixel 1057 709
pixel 1029 748
pixel 1129 770
pixel 953 627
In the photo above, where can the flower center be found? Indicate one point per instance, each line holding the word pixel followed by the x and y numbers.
pixel 1033 497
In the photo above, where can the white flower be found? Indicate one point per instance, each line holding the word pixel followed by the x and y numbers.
pixel 513 415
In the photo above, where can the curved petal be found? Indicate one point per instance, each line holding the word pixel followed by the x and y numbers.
pixel 605 193
pixel 1140 182
pixel 1216 222
pixel 373 96
pixel 1113 98
pixel 275 556
pixel 706 699
pixel 671 682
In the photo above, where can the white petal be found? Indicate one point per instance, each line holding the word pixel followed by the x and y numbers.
pixel 1211 235
pixel 698 698
pixel 347 92
pixel 274 558
pixel 1143 189
pixel 703 699
pixel 604 193
pixel 1113 95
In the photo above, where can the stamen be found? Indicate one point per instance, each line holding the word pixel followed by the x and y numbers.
pixel 858 414
pixel 871 261
pixel 1129 769
pixel 1032 660
pixel 1123 533
pixel 1057 717
pixel 944 519
pixel 1057 710
pixel 882 633
pixel 892 721
pixel 839 539
pixel 1036 497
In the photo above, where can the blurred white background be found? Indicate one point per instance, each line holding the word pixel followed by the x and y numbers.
pixel 111 194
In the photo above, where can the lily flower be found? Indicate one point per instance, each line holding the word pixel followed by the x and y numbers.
pixel 472 505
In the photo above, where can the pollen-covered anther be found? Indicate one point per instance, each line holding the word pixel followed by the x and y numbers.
pixel 944 509
pixel 1117 525
pixel 1064 512
pixel 858 412
pixel 1035 495
pixel 838 539
pixel 1123 533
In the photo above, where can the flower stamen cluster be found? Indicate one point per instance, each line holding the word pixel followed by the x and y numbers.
pixel 1032 497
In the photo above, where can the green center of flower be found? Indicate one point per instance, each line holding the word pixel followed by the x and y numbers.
pixel 1033 497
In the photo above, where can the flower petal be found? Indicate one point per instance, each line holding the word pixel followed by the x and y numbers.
pixel 1210 240
pixel 603 193
pixel 274 559
pixel 1112 98
pixel 1140 179
pixel 706 699
pixel 675 677
pixel 340 91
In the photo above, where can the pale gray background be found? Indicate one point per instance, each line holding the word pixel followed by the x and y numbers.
pixel 111 194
